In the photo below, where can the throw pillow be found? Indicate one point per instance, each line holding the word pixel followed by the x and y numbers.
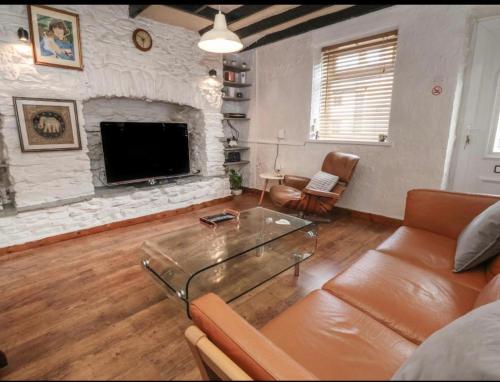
pixel 480 240
pixel 323 181
pixel 465 349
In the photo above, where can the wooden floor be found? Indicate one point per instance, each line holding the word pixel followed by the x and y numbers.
pixel 85 309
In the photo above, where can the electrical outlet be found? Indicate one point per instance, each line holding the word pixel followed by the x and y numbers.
pixel 496 169
pixel 281 134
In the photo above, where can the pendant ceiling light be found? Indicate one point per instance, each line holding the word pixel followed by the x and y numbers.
pixel 220 39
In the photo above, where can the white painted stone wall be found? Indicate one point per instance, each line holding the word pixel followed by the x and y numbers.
pixel 103 209
pixel 432 46
pixel 174 71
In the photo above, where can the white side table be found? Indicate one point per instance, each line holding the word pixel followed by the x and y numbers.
pixel 267 176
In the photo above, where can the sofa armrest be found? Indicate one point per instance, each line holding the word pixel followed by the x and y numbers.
pixel 442 212
pixel 254 353
pixel 298 182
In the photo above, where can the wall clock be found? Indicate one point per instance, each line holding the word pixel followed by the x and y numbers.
pixel 142 40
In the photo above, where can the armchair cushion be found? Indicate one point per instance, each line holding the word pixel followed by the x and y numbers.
pixel 322 181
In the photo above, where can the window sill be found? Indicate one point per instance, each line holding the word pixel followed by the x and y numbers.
pixel 387 144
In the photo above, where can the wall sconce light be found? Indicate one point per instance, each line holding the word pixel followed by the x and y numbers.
pixel 212 73
pixel 22 34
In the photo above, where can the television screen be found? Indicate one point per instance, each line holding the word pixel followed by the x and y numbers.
pixel 135 151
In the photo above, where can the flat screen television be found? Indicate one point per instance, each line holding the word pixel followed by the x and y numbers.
pixel 139 151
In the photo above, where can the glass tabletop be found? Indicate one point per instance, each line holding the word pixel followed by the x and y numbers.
pixel 231 258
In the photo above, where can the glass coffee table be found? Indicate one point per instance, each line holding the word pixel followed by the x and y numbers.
pixel 231 258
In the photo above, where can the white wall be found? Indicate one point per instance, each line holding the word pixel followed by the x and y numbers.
pixel 432 46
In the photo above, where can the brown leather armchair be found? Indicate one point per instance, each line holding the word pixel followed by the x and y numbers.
pixel 293 194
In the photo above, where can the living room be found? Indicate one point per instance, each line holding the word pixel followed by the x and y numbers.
pixel 254 191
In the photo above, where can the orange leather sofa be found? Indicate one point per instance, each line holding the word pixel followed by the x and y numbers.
pixel 367 320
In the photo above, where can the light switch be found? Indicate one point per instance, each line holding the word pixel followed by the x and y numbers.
pixel 281 134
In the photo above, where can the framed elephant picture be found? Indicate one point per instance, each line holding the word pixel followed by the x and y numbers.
pixel 47 124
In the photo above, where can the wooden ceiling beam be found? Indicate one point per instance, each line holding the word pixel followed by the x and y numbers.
pixel 239 13
pixel 316 23
pixel 278 19
pixel 196 9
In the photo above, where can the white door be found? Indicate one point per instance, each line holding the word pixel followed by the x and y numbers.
pixel 478 156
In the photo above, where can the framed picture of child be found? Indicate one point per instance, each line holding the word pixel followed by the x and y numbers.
pixel 47 124
pixel 55 35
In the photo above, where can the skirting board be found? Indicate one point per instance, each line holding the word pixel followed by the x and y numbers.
pixel 109 226
pixel 357 214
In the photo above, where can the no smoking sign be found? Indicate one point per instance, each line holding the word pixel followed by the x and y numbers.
pixel 437 90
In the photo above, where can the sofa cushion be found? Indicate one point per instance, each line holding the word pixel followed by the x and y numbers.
pixel 334 340
pixel 490 293
pixel 480 240
pixel 411 300
pixel 493 268
pixel 432 251
pixel 465 350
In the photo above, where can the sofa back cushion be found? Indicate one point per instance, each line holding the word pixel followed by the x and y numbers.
pixel 490 293
pixel 466 349
pixel 480 240
pixel 442 212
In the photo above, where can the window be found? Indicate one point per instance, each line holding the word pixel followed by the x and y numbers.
pixel 356 90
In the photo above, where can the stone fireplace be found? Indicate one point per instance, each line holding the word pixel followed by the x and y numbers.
pixel 97 110
pixel 62 191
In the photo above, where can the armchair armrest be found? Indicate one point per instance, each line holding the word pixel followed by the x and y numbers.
pixel 442 212
pixel 254 353
pixel 323 194
pixel 298 182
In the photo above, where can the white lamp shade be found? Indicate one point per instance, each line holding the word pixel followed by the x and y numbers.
pixel 220 39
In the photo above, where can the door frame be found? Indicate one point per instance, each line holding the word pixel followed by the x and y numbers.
pixel 456 179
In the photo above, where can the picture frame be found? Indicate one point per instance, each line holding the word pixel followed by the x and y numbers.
pixel 46 124
pixel 55 37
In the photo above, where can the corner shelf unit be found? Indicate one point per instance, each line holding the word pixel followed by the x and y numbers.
pixel 240 163
pixel 237 69
pixel 235 99
pixel 236 148
pixel 234 84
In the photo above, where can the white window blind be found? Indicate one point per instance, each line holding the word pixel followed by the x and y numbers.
pixel 356 89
